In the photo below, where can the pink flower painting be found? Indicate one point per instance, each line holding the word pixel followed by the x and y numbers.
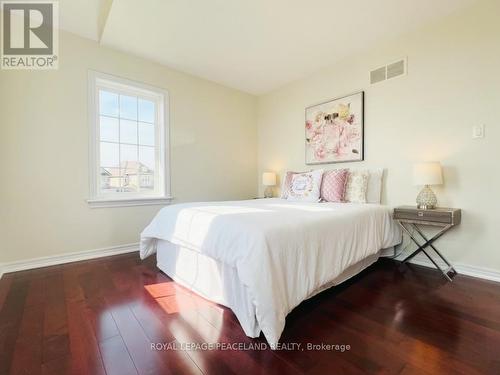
pixel 334 130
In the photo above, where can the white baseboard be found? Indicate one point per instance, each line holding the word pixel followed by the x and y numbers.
pixel 53 260
pixel 462 269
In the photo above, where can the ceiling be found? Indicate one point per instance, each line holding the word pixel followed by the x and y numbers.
pixel 251 45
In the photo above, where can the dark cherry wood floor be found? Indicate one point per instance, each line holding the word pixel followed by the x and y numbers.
pixel 101 316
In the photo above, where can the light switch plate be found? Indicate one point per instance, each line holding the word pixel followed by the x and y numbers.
pixel 478 131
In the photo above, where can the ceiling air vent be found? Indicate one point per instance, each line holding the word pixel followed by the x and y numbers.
pixel 393 70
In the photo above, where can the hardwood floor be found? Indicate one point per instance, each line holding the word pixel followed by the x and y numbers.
pixel 101 317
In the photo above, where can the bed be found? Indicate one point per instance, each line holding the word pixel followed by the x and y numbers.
pixel 263 257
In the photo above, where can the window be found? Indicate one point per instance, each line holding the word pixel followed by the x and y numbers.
pixel 128 154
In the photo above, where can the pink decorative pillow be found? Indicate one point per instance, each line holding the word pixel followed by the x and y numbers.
pixel 287 184
pixel 334 184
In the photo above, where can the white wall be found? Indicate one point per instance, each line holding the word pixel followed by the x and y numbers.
pixel 453 83
pixel 44 151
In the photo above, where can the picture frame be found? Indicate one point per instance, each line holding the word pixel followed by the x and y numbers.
pixel 334 130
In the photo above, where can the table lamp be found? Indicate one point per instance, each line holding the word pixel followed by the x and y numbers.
pixel 426 174
pixel 268 180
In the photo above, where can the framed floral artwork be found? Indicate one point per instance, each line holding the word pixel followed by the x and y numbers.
pixel 334 130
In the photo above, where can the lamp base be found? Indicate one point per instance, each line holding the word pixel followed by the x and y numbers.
pixel 268 193
pixel 426 199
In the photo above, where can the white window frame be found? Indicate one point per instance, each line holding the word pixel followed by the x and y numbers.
pixel 97 80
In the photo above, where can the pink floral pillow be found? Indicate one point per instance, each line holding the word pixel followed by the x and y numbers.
pixel 306 187
pixel 333 185
pixel 287 184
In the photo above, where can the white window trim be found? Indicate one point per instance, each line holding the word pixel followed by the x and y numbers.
pixel 132 199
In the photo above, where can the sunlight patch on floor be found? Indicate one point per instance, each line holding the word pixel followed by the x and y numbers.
pixel 162 289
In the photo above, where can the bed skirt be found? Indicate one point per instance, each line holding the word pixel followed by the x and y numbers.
pixel 220 283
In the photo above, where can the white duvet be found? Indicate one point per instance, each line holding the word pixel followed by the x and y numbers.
pixel 282 251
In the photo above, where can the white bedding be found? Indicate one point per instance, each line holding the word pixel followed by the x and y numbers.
pixel 220 283
pixel 282 251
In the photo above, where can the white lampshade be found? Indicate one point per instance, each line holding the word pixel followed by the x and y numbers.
pixel 428 173
pixel 269 179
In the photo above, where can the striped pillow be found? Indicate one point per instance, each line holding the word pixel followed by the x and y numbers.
pixel 333 186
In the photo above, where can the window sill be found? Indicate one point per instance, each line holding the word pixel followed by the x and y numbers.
pixel 146 201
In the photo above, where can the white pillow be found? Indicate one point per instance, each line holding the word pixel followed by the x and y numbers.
pixel 374 191
pixel 306 187
pixel 356 187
